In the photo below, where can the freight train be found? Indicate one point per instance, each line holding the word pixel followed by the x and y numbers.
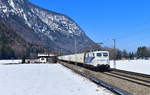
pixel 97 60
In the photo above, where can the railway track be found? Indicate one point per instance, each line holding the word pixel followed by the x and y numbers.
pixel 88 74
pixel 135 83
pixel 137 78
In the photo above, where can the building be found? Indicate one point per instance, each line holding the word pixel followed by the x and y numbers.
pixel 47 58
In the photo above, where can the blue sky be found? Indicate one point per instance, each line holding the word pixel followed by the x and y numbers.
pixel 102 20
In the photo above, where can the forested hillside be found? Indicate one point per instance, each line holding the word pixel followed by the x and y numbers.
pixel 13 46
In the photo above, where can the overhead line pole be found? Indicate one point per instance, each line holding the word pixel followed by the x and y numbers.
pixel 114 52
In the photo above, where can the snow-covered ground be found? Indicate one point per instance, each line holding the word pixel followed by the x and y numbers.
pixel 140 66
pixel 10 61
pixel 45 79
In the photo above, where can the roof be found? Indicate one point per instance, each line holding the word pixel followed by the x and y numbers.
pixel 46 54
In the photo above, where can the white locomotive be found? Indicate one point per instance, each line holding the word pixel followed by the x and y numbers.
pixel 98 60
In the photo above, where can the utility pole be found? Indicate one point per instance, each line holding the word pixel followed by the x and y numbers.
pixel 114 52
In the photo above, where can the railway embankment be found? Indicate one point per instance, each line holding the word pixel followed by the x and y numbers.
pixel 137 84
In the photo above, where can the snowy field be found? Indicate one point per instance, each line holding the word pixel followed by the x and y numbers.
pixel 140 66
pixel 10 61
pixel 45 79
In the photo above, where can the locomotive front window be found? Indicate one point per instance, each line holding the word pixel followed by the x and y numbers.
pixel 42 58
pixel 99 54
pixel 105 54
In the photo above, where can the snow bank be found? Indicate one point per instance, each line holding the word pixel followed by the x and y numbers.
pixel 45 79
pixel 140 66
pixel 10 61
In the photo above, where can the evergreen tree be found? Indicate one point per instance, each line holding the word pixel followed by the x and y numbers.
pixel 142 52
pixel 6 52
pixel 23 57
pixel 118 55
pixel 131 55
pixel 125 54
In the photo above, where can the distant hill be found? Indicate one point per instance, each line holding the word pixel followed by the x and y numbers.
pixel 43 27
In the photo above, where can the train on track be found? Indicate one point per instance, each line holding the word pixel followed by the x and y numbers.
pixel 97 60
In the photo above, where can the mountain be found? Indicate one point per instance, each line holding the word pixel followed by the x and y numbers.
pixel 43 27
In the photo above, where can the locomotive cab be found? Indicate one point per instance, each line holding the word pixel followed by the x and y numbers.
pixel 99 59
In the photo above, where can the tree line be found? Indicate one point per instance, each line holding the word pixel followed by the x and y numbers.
pixel 141 53
pixel 31 51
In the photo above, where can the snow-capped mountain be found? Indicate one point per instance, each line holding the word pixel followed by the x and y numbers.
pixel 41 26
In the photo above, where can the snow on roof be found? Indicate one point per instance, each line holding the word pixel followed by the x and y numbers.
pixel 46 54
